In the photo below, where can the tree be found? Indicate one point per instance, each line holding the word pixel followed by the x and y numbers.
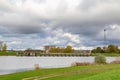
pixel 55 50
pixel 112 49
pixel 99 50
pixel 100 59
pixel 68 49
pixel 93 51
pixel 4 47
pixel 58 49
pixel 52 50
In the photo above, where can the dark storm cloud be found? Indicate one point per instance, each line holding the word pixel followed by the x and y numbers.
pixel 50 19
pixel 28 30
pixel 3 30
pixel 13 35
pixel 94 16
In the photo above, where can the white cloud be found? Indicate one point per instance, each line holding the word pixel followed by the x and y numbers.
pixel 73 38
pixel 113 27
pixel 57 22
pixel 14 42
pixel 83 48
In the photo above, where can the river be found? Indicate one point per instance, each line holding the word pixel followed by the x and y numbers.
pixel 11 64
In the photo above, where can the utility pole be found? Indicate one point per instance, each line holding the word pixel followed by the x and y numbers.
pixel 104 36
pixel 105 42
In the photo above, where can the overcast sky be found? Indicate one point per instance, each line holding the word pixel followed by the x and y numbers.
pixel 79 23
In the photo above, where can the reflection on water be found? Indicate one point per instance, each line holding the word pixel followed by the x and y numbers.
pixel 10 64
pixel 2 72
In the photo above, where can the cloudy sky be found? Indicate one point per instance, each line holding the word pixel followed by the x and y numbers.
pixel 80 23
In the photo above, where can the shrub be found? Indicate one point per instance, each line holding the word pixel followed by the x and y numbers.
pixel 115 62
pixel 100 59
pixel 80 64
pixel 36 66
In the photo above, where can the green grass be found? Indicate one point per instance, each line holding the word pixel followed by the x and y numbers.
pixel 93 72
pixel 110 75
pixel 112 54
pixel 10 53
pixel 32 73
pixel 107 54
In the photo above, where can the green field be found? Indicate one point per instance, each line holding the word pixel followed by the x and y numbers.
pixel 106 54
pixel 92 72
pixel 10 53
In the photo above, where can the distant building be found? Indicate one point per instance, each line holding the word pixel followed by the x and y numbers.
pixel 85 51
pixel 32 52
pixel 1 45
pixel 47 48
pixel 82 51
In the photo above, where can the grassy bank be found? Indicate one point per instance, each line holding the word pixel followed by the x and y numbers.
pixel 93 72
pixel 10 53
pixel 107 54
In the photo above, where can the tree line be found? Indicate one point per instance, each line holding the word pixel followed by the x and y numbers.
pixel 67 49
pixel 109 49
pixel 4 47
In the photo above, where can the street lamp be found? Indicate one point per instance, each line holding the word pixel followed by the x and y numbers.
pixel 105 42
pixel 104 36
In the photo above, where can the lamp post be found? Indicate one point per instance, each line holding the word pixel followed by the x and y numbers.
pixel 105 36
pixel 105 39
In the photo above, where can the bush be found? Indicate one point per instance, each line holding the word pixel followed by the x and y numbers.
pixel 81 64
pixel 100 59
pixel 36 66
pixel 115 62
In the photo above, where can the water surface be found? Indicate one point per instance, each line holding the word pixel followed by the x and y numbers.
pixel 11 64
